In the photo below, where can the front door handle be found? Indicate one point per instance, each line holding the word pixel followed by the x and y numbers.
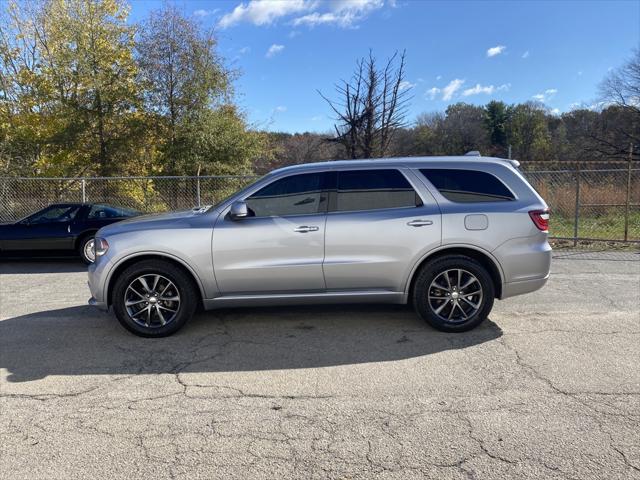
pixel 306 228
pixel 419 223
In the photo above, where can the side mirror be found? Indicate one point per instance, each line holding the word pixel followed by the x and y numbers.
pixel 238 210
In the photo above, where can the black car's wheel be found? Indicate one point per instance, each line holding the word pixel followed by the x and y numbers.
pixel 86 249
pixel 154 298
pixel 454 293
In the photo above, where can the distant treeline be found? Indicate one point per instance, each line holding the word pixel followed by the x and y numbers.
pixel 533 133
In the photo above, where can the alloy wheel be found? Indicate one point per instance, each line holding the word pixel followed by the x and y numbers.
pixel 89 250
pixel 152 300
pixel 455 295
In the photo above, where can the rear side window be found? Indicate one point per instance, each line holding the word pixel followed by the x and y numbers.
pixel 468 186
pixel 295 195
pixel 373 190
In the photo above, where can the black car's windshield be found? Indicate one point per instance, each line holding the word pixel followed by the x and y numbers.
pixel 55 213
pixel 99 211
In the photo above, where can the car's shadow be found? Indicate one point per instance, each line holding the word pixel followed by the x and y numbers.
pixel 82 341
pixel 14 265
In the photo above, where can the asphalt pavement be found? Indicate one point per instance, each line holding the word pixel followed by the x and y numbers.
pixel 549 387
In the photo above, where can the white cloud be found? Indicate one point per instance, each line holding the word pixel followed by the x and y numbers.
pixel 404 85
pixel 432 93
pixel 205 13
pixel 486 89
pixel 449 91
pixel 274 50
pixel 316 118
pixel 525 54
pixel 293 34
pixel 343 13
pixel 497 50
pixel 545 96
pixel 555 111
pixel 264 12
pixel 280 109
pixel 439 77
pixel 244 50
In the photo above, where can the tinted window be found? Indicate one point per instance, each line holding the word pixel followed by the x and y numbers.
pixel 55 214
pixel 295 195
pixel 467 186
pixel 374 189
pixel 107 211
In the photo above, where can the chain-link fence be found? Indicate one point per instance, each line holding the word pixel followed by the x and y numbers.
pixel 21 196
pixel 588 201
pixel 591 201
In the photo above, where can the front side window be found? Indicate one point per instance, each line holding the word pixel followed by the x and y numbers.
pixel 467 186
pixel 295 195
pixel 55 214
pixel 373 190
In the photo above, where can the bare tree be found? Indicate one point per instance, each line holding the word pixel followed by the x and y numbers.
pixel 622 86
pixel 620 93
pixel 372 107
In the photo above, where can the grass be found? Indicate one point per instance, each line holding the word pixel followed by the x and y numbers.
pixel 607 224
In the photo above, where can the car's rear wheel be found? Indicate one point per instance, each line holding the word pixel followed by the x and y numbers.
pixel 86 249
pixel 154 298
pixel 453 293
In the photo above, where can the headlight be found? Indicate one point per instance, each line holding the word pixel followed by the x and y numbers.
pixel 101 246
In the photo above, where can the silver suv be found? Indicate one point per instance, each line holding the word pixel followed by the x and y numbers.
pixel 447 234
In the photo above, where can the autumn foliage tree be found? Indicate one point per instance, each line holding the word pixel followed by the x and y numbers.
pixel 84 92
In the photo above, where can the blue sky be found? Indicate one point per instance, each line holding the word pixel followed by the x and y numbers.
pixel 552 51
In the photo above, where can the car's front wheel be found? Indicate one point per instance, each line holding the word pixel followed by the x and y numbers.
pixel 453 293
pixel 154 298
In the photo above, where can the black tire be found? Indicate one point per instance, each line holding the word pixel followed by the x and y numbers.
pixel 436 270
pixel 81 248
pixel 186 289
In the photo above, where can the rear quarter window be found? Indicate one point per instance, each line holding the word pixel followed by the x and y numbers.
pixel 468 186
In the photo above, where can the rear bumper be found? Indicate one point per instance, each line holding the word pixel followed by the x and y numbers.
pixel 512 289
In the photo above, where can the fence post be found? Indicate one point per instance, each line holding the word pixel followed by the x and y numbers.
pixel 576 216
pixel 628 200
pixel 198 188
pixel 84 191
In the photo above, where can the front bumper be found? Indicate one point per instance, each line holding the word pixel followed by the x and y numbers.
pixel 99 305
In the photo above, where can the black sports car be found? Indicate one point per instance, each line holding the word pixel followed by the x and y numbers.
pixel 58 228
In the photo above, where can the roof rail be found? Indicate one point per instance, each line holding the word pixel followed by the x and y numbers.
pixel 473 153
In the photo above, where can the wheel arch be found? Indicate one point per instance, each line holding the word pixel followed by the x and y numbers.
pixel 487 260
pixel 128 261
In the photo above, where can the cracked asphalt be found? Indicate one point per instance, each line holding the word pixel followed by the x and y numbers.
pixel 549 387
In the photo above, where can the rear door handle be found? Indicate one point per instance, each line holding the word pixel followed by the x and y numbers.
pixel 419 223
pixel 306 228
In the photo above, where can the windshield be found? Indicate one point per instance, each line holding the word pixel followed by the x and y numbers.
pixel 53 214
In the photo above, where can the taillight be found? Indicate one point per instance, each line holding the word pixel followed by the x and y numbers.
pixel 540 219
